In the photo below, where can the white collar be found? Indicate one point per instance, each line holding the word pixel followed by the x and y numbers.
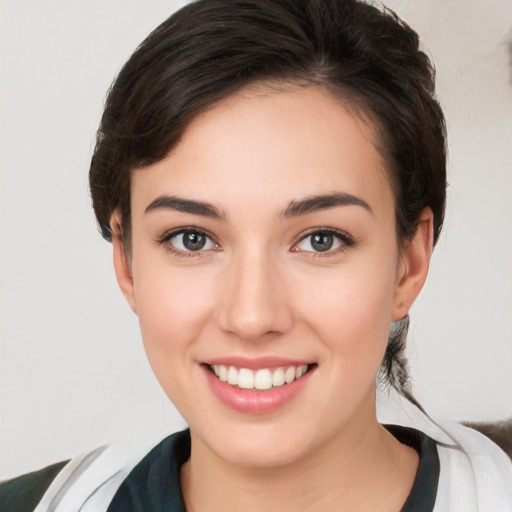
pixel 475 475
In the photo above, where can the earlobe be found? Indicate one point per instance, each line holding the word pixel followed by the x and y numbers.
pixel 414 265
pixel 121 264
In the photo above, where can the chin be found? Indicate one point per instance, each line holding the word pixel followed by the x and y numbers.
pixel 259 445
pixel 262 455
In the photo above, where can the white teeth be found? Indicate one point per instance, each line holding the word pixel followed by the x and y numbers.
pixel 245 379
pixel 289 375
pixel 261 379
pixel 300 371
pixel 232 376
pixel 278 377
pixel 223 373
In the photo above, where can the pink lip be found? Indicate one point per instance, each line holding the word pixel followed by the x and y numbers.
pixel 255 401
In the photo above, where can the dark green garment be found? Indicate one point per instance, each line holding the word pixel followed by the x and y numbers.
pixel 154 484
pixel 22 494
pixel 424 489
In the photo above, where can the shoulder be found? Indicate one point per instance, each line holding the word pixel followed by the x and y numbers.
pixel 24 492
pixel 500 432
pixel 86 483
pixel 476 474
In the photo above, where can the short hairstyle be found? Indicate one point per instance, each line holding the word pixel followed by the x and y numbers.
pixel 210 49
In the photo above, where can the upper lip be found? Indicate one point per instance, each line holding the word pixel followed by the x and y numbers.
pixel 255 363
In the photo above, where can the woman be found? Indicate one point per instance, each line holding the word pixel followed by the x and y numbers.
pixel 272 177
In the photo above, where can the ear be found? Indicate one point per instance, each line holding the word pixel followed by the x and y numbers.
pixel 413 266
pixel 122 265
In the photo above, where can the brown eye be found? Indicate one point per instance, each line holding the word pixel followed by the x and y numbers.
pixel 324 241
pixel 194 241
pixel 191 241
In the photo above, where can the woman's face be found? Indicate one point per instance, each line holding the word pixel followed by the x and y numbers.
pixel 264 245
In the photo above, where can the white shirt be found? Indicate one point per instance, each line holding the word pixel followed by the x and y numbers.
pixel 475 474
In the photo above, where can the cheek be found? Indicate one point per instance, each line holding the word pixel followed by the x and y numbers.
pixel 173 306
pixel 351 309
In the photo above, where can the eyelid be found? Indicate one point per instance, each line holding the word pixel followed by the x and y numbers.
pixel 346 241
pixel 167 236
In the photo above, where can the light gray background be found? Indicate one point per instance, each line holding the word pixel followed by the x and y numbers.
pixel 73 371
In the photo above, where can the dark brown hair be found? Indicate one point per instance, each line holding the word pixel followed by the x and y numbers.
pixel 212 48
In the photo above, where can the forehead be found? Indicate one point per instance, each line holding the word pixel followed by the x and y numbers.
pixel 263 142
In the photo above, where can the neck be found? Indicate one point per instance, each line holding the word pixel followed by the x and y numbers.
pixel 359 469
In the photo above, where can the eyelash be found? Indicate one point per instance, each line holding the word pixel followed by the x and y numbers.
pixel 344 240
pixel 166 238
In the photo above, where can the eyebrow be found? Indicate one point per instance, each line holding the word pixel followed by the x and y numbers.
pixel 323 202
pixel 186 206
pixel 294 209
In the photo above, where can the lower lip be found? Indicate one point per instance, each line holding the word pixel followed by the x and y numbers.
pixel 255 401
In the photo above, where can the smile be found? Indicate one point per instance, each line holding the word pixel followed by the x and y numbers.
pixel 262 379
pixel 257 386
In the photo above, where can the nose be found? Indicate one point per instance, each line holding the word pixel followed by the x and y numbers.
pixel 254 301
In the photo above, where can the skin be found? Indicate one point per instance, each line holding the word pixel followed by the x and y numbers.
pixel 259 289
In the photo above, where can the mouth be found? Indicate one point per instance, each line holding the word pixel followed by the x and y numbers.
pixel 257 385
pixel 262 379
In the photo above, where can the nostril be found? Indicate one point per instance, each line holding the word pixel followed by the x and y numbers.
pixel 252 318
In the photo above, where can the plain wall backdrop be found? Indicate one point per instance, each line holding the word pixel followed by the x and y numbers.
pixel 73 373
